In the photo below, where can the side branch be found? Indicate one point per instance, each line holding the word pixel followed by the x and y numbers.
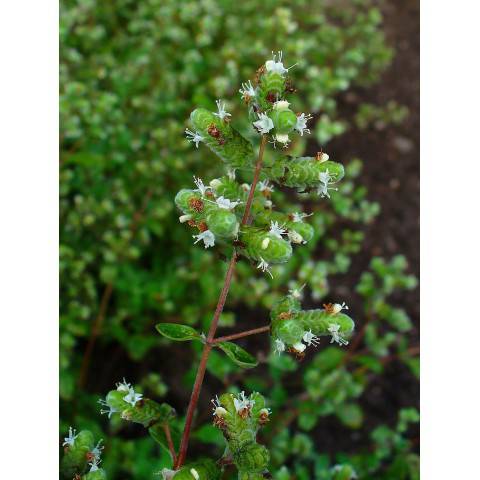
pixel 197 386
pixel 246 333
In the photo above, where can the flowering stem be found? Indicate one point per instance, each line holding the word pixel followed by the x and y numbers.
pixel 246 333
pixel 197 386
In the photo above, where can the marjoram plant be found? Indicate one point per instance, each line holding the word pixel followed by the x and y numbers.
pixel 239 220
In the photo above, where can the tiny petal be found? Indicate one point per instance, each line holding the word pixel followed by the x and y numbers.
pixel 264 123
pixel 222 113
pixel 208 238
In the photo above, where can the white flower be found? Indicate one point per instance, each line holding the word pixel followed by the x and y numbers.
pixel 184 218
pixel 277 66
pixel 297 292
pixel 295 237
pixel 194 473
pixel 94 464
pixel 301 125
pixel 123 386
pixel 279 346
pixel 310 339
pixel 132 398
pixel 323 188
pixel 110 410
pixel 222 113
pixel 242 402
pixel 276 230
pixel 337 307
pixel 194 137
pixel 264 123
pixel 322 157
pixel 298 217
pixel 299 347
pixel 247 90
pixel 283 138
pixel 97 451
pixel 265 411
pixel 200 186
pixel 218 410
pixel 265 186
pixel 208 238
pixel 264 266
pixel 336 335
pixel 226 204
pixel 167 474
pixel 281 105
pixel 268 204
pixel 70 440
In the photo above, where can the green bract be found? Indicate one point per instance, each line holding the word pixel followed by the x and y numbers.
pixel 222 139
pixel 202 470
pixel 294 329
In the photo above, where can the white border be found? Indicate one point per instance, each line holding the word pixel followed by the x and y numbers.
pixel 29 238
pixel 450 239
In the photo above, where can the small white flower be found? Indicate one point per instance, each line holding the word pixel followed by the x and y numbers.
pixel 247 90
pixel 132 398
pixel 200 186
pixel 123 386
pixel 337 307
pixel 208 238
pixel 298 217
pixel 276 230
pixel 70 440
pixel 295 237
pixel 277 66
pixel 94 464
pixel 281 105
pixel 97 451
pixel 299 347
pixel 167 474
pixel 194 137
pixel 243 402
pixel 310 339
pixel 283 138
pixel 336 335
pixel 265 243
pixel 109 410
pixel 184 218
pixel 222 113
pixel 194 473
pixel 323 188
pixel 279 346
pixel 297 292
pixel 265 186
pixel 264 266
pixel 245 187
pixel 322 157
pixel 268 204
pixel 264 123
pixel 301 125
pixel 226 204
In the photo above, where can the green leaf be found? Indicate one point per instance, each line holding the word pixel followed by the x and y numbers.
pixel 177 332
pixel 350 414
pixel 237 354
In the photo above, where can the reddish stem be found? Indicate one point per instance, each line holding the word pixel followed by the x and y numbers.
pixel 246 333
pixel 197 386
pixel 168 435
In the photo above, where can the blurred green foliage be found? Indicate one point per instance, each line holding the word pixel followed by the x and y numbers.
pixel 130 73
